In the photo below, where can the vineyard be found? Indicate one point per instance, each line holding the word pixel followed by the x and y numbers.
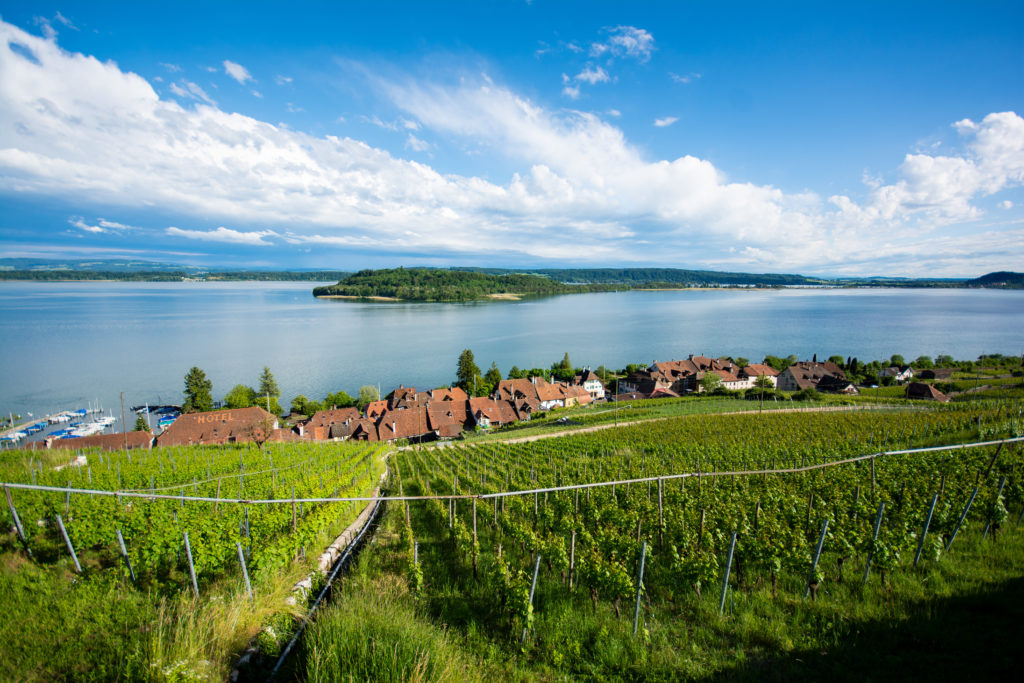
pixel 137 521
pixel 677 547
pixel 569 580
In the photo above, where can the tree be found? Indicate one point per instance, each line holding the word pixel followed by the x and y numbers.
pixel 710 382
pixel 367 395
pixel 198 390
pixel 516 373
pixel 468 374
pixel 303 406
pixel 897 360
pixel 923 363
pixel 741 361
pixel 268 385
pixel 563 368
pixel 944 361
pixel 492 378
pixel 338 399
pixel 838 360
pixel 140 424
pixel 240 396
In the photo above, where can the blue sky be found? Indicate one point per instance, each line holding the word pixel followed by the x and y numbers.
pixel 863 139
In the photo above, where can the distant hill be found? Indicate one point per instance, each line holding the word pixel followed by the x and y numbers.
pixel 645 277
pixel 432 284
pixel 1002 279
pixel 146 271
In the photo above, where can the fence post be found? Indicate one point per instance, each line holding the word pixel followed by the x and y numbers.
pixel 640 584
pixel 17 523
pixel 191 567
pixel 874 537
pixel 533 587
pixel 999 492
pixel 924 532
pixel 245 571
pixel 124 554
pixel 817 556
pixel 728 568
pixel 572 558
pixel 67 542
pixel 963 516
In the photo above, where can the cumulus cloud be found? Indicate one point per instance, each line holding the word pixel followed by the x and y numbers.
pixel 666 121
pixel 190 90
pixel 77 128
pixel 415 144
pixel 593 74
pixel 222 234
pixel 237 71
pixel 625 41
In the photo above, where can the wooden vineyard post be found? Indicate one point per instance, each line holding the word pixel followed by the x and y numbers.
pixel 963 516
pixel 416 553
pixel 874 538
pixel 533 587
pixel 124 555
pixel 17 523
pixel 872 480
pixel 216 503
pixel 475 546
pixel 728 568
pixel 191 566
pixel 294 517
pixel 924 532
pixel 639 586
pixel 661 514
pixel 67 542
pixel 817 556
pixel 245 570
pixel 572 558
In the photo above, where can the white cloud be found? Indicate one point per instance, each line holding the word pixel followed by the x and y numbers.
pixel 282 80
pixel 102 226
pixel 571 91
pixel 190 90
pixel 64 20
pixel 222 234
pixel 415 144
pixel 257 93
pixel 49 32
pixel 593 74
pixel 625 41
pixel 1006 204
pixel 237 71
pixel 686 78
pixel 293 108
pixel 666 121
pixel 83 130
pixel 173 68
pixel 614 112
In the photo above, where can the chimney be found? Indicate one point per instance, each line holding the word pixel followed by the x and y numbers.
pixel 302 430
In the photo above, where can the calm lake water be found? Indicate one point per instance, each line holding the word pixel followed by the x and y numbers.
pixel 65 344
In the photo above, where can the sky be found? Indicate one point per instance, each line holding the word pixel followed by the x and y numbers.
pixel 834 139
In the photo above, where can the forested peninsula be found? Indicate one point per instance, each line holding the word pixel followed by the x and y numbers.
pixel 428 284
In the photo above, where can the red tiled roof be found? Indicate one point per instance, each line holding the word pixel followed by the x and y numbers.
pixel 218 426
pixel 107 442
pixel 403 424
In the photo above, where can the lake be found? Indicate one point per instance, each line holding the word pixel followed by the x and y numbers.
pixel 67 344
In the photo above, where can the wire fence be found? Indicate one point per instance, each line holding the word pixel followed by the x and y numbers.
pixel 504 494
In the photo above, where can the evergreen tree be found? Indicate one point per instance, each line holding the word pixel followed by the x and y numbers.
pixel 268 385
pixel 468 374
pixel 198 397
pixel 140 424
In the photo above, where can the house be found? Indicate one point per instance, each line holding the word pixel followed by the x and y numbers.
pixel 944 374
pixel 576 396
pixel 590 382
pixel 826 377
pixel 900 374
pixel 486 412
pixel 926 392
pixel 515 390
pixel 630 396
pixel 447 418
pixel 407 423
pixel 363 429
pixel 374 409
pixel 550 395
pixel 449 394
pixel 324 419
pixel 755 370
pixel 238 425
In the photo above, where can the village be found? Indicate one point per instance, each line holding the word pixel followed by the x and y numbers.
pixel 446 413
